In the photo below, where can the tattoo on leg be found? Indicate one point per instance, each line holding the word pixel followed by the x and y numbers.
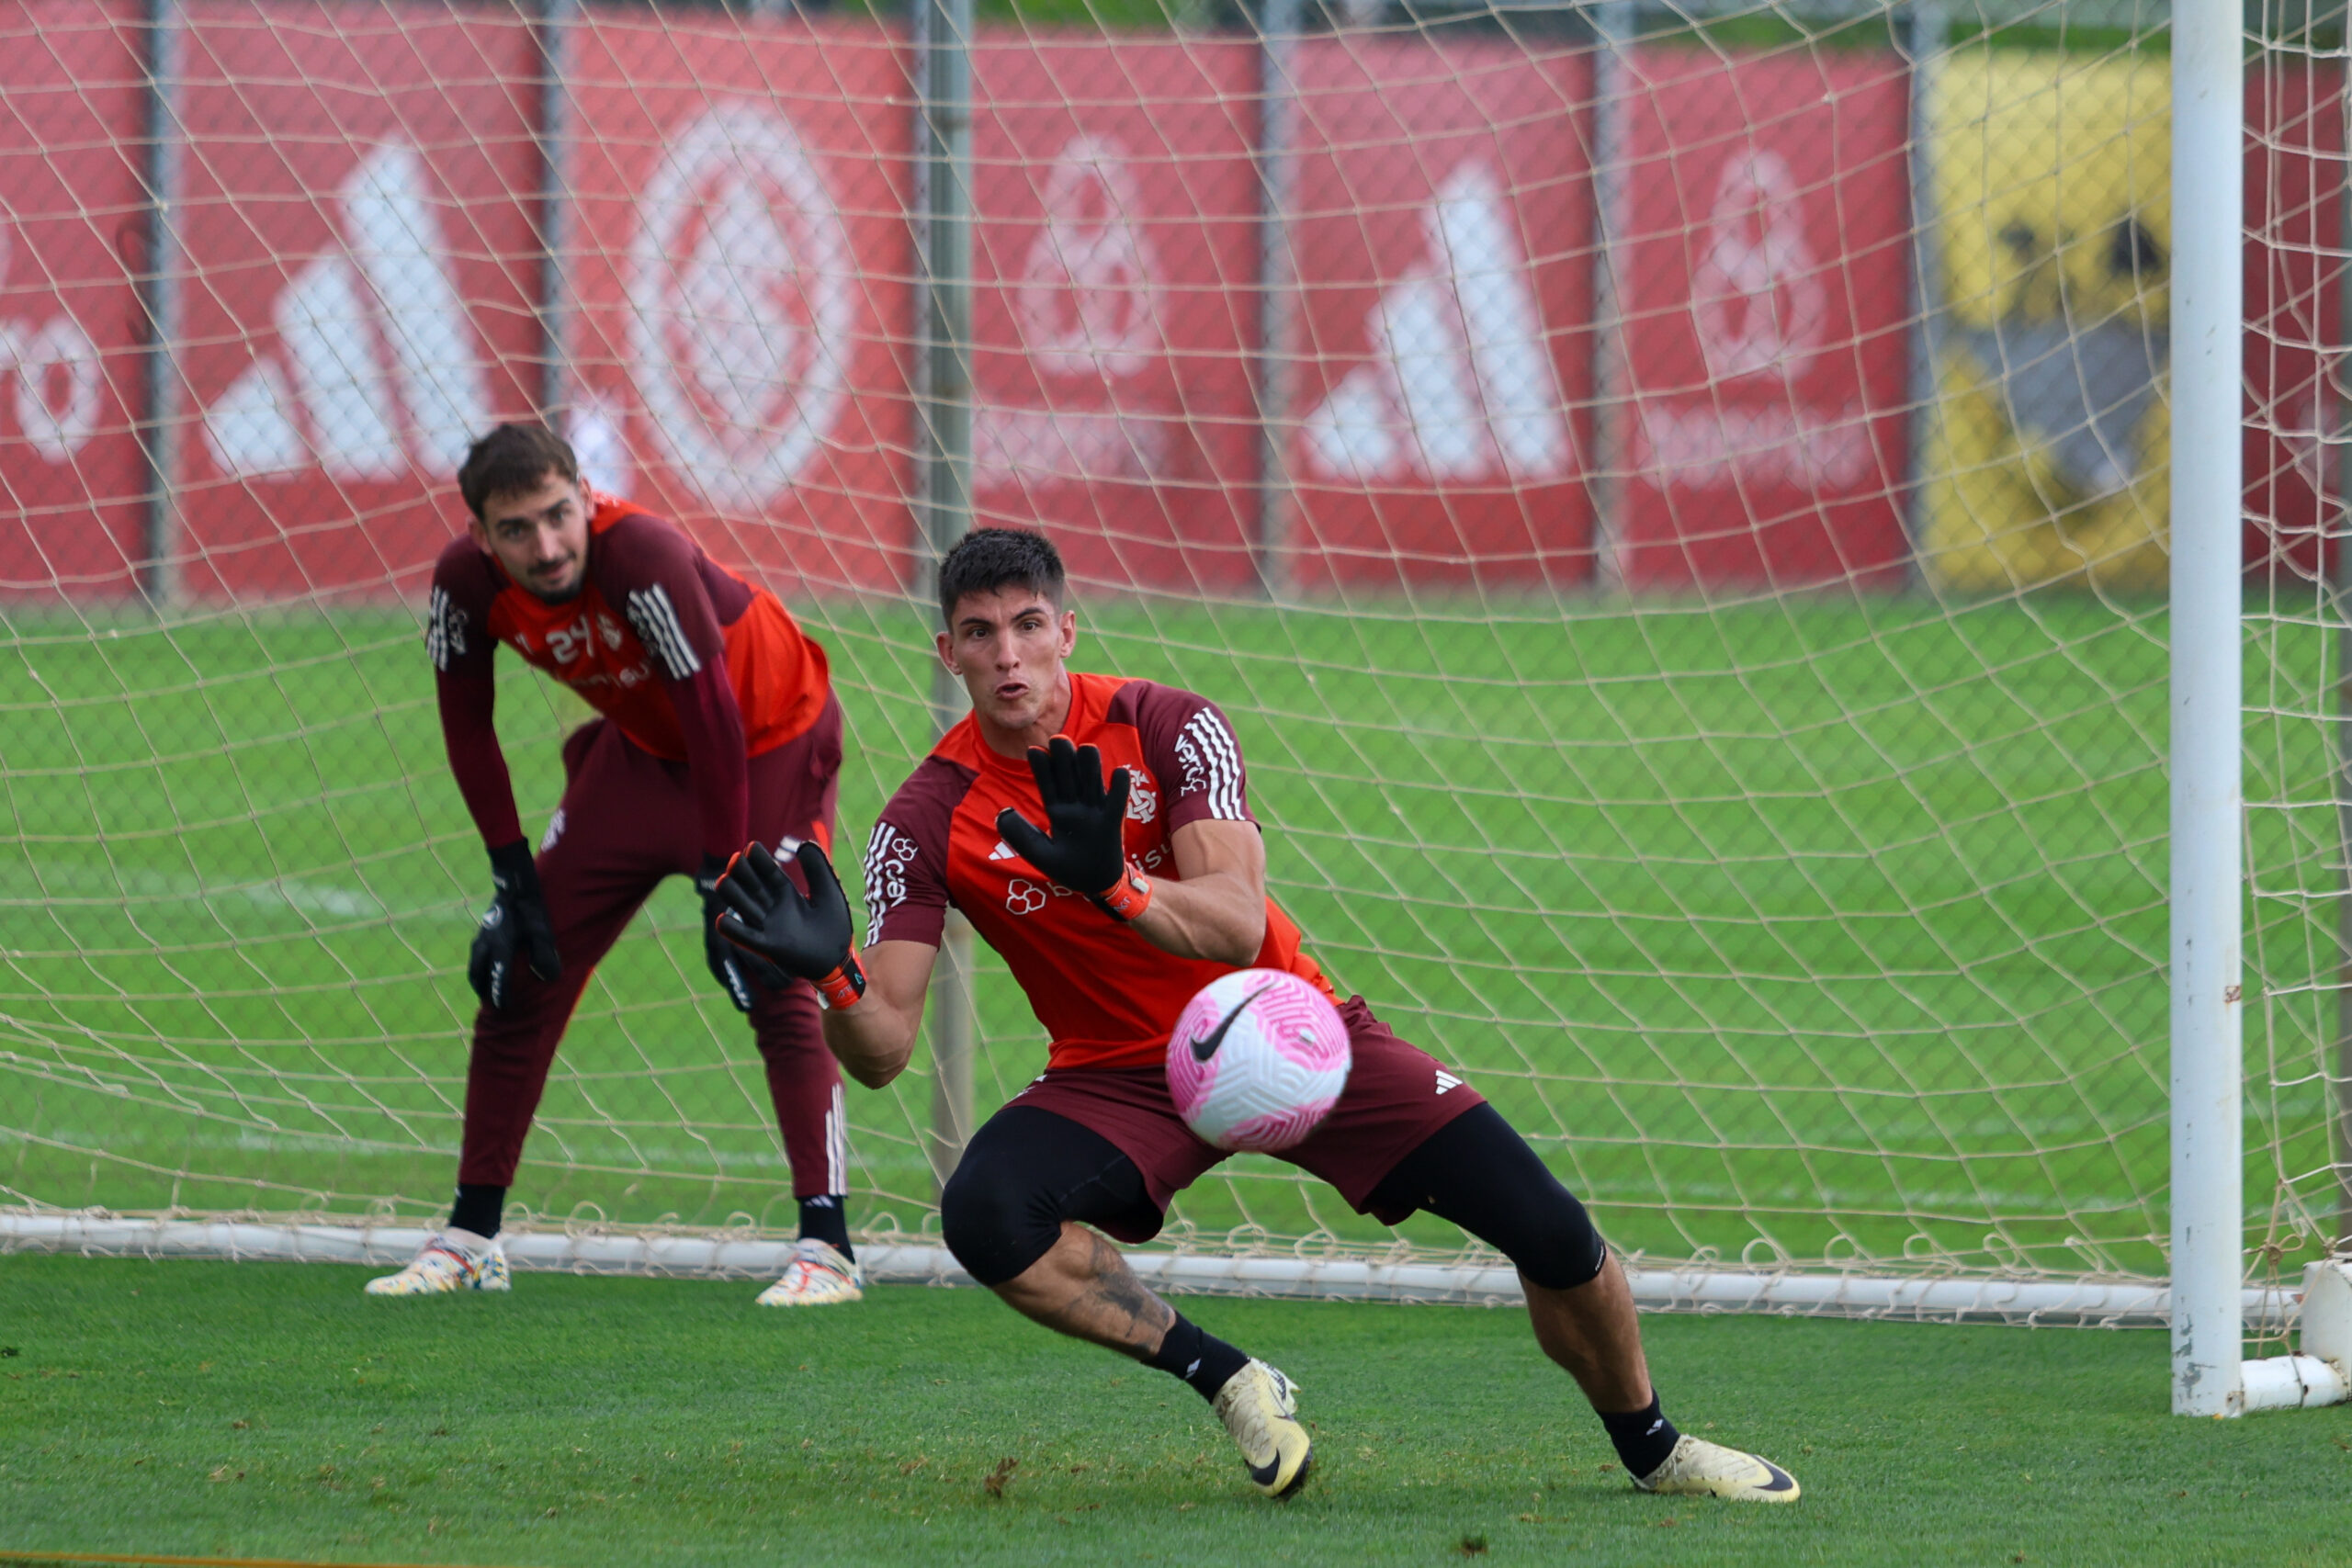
pixel 1117 1290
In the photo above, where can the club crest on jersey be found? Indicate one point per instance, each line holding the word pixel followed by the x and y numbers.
pixel 1143 800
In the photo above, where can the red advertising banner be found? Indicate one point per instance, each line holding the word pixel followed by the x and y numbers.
pixel 73 229
pixel 2294 292
pixel 1117 232
pixel 362 272
pixel 740 269
pixel 1443 247
pixel 1765 274
pixel 361 303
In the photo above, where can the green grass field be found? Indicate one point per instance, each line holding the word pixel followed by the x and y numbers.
pixel 204 1409
pixel 1804 927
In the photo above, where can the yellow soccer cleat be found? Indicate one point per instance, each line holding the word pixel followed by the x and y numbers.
pixel 818 1276
pixel 454 1261
pixel 1260 1408
pixel 1699 1468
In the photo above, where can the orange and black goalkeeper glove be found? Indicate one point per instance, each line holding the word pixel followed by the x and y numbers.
pixel 767 916
pixel 1087 853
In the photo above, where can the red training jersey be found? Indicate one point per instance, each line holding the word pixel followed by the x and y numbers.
pixel 1108 998
pixel 690 662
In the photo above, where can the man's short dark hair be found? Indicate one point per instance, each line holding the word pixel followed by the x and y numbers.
pixel 512 459
pixel 989 560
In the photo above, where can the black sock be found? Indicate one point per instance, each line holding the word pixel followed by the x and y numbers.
pixel 1645 1438
pixel 477 1208
pixel 1201 1360
pixel 826 1218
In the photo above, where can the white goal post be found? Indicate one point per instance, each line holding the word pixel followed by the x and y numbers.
pixel 2209 1373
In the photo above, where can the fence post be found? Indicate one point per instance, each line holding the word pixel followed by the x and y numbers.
pixel 158 283
pixel 943 64
pixel 552 34
pixel 1279 22
pixel 1926 37
pixel 1614 24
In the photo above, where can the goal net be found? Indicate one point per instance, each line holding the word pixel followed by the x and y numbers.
pixel 1673 502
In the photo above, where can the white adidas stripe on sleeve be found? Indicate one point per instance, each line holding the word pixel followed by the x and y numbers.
pixel 656 620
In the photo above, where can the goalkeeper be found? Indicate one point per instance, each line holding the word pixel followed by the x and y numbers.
pixel 717 724
pixel 1113 902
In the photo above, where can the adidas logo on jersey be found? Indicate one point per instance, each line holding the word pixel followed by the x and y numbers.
pixel 1003 852
pixel 1446 1080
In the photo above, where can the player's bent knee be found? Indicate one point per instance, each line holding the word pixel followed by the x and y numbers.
pixel 995 1223
pixel 1479 1173
pixel 1563 1250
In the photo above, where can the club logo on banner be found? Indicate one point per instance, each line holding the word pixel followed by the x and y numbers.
pixel 1086 293
pixel 740 304
pixel 1757 293
pixel 382 372
pixel 58 383
pixel 1087 308
pixel 1460 385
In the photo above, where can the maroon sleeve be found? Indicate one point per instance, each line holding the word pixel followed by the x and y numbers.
pixel 906 859
pixel 652 573
pixel 1188 744
pixel 458 640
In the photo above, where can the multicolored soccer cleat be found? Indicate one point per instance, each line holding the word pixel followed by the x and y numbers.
pixel 448 1262
pixel 1260 1408
pixel 817 1276
pixel 1699 1468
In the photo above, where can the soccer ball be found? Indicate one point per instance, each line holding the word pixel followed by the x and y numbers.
pixel 1258 1060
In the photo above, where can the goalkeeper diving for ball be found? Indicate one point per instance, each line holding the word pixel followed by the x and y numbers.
pixel 1113 901
pixel 717 724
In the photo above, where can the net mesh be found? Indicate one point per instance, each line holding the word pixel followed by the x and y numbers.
pixel 1672 502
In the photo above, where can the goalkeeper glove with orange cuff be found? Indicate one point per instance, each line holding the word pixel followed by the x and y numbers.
pixel 767 916
pixel 516 925
pixel 735 970
pixel 1088 851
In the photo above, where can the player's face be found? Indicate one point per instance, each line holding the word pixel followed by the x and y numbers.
pixel 1007 649
pixel 540 537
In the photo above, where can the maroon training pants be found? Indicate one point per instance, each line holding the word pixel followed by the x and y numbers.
pixel 627 821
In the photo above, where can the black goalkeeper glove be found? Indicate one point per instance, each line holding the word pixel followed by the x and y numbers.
pixel 1088 851
pixel 736 970
pixel 767 916
pixel 516 925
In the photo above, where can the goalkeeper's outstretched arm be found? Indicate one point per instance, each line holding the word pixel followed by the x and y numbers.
pixel 874 1039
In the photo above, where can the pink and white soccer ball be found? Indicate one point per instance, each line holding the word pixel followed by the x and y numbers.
pixel 1258 1060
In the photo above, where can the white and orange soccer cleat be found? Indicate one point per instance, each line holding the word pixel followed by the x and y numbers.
pixel 453 1260
pixel 818 1276
pixel 1260 1408
pixel 1699 1468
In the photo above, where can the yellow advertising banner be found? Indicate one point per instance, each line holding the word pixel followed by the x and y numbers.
pixel 2048 455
